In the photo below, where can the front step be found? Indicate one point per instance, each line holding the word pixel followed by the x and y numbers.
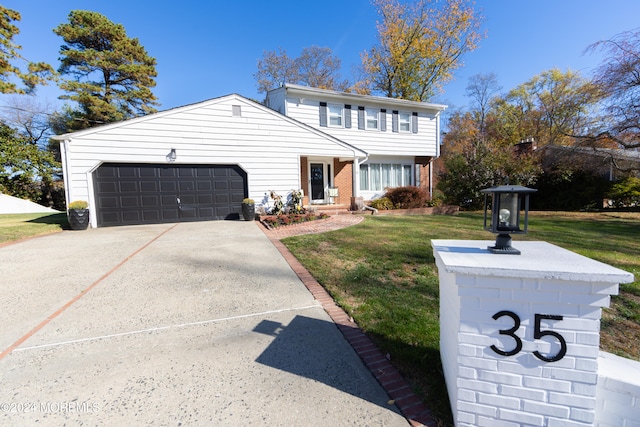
pixel 330 209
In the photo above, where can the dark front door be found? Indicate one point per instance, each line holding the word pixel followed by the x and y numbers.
pixel 317 181
pixel 128 194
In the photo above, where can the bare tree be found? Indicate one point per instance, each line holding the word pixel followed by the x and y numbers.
pixel 481 89
pixel 618 78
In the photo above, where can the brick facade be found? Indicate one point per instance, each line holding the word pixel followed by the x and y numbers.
pixel 342 178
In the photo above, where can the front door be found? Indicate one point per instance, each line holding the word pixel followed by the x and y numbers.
pixel 317 182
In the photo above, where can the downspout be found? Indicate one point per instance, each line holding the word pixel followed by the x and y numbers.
pixel 355 182
pixel 64 154
pixel 438 141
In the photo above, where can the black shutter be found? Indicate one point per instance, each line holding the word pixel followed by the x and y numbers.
pixel 323 114
pixel 383 120
pixel 414 122
pixel 360 117
pixel 347 116
pixel 394 121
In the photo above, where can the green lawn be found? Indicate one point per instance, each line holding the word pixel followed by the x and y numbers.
pixel 383 273
pixel 20 226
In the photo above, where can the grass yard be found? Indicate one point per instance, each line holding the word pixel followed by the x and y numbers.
pixel 383 273
pixel 20 226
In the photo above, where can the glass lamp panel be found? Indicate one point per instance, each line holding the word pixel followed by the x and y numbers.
pixel 508 212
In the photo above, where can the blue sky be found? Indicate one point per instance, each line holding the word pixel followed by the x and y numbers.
pixel 209 48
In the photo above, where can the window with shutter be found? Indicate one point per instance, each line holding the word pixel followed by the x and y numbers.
pixel 347 116
pixel 323 114
pixel 335 115
pixel 360 117
pixel 371 115
pixel 405 121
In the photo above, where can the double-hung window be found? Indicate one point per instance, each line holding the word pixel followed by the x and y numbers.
pixel 404 121
pixel 335 115
pixel 372 118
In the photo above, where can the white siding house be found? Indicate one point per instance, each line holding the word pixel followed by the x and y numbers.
pixel 120 168
pixel 401 137
pixel 198 162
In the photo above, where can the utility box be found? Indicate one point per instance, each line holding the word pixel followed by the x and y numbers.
pixel 519 335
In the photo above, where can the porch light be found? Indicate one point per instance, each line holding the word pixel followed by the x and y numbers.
pixel 171 157
pixel 505 205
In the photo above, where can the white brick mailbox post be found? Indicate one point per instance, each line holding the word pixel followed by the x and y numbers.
pixel 519 334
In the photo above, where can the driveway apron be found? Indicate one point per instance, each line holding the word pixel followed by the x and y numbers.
pixel 176 324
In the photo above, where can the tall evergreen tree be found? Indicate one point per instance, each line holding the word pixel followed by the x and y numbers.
pixel 111 73
pixel 36 73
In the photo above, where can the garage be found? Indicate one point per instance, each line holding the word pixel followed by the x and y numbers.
pixel 130 194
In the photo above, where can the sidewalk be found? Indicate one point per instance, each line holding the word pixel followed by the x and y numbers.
pixel 398 389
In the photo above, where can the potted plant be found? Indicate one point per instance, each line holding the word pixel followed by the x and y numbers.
pixel 248 209
pixel 78 215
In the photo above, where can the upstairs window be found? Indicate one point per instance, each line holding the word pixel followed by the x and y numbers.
pixel 404 121
pixel 371 118
pixel 335 115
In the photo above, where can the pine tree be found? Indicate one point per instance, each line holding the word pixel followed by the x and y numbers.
pixel 111 73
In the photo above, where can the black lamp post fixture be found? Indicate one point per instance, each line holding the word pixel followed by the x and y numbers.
pixel 506 202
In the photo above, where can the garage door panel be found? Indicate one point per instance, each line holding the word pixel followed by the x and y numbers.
pixel 129 202
pixel 204 186
pixel 149 186
pixel 107 187
pixel 148 172
pixel 187 186
pixel 146 193
pixel 168 186
pixel 127 172
pixel 131 217
pixel 150 201
pixel 168 200
pixel 128 186
pixel 166 172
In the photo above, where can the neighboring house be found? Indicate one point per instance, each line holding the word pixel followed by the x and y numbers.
pixel 401 139
pixel 199 161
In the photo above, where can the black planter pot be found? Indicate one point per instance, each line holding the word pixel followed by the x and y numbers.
pixel 248 212
pixel 78 219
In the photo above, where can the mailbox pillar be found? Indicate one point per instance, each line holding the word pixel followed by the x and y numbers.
pixel 520 334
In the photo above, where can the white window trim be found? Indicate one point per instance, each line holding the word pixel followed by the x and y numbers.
pixel 330 115
pixel 402 165
pixel 400 122
pixel 374 112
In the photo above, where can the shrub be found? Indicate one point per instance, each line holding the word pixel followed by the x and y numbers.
pixel 248 201
pixel 78 204
pixel 626 192
pixel 407 197
pixel 383 203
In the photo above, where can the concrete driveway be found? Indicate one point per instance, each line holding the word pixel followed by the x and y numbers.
pixel 175 324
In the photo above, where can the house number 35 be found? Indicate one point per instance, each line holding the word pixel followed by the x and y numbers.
pixel 537 334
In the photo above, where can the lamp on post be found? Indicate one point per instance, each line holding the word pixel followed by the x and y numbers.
pixel 505 204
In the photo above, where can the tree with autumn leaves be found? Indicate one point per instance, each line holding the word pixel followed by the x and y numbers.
pixel 529 136
pixel 419 46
